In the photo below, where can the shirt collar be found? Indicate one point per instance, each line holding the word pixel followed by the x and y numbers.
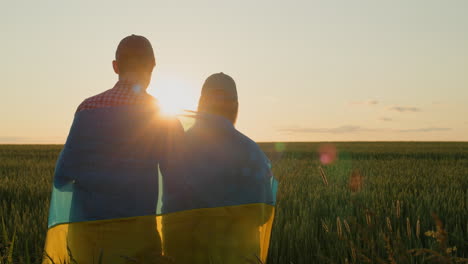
pixel 213 120
pixel 129 85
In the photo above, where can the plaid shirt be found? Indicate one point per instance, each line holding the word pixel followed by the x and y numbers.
pixel 123 93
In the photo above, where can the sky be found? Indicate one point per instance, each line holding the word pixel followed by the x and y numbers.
pixel 305 70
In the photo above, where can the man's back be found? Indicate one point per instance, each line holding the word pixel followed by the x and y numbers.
pixel 108 171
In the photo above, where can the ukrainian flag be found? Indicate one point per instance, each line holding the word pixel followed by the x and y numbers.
pixel 123 192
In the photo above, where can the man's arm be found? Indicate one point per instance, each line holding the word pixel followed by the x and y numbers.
pixel 62 176
pixel 172 166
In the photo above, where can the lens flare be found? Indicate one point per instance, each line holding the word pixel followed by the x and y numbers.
pixel 280 147
pixel 327 154
pixel 356 181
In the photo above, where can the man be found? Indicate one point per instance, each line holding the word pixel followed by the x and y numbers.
pixel 224 211
pixel 106 181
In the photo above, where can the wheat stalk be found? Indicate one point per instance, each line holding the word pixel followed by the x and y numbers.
pixel 325 227
pixel 346 225
pixel 368 218
pixel 398 208
pixel 353 254
pixel 324 177
pixel 418 228
pixel 408 227
pixel 338 227
pixel 389 224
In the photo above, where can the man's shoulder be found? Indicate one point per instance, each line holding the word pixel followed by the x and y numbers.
pixel 92 102
pixel 111 98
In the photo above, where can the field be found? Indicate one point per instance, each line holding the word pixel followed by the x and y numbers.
pixel 376 203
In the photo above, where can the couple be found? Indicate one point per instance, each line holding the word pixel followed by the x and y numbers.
pixel 218 193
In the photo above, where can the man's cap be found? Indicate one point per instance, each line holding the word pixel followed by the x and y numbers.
pixel 135 52
pixel 219 87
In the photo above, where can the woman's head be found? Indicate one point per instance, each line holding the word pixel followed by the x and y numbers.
pixel 219 97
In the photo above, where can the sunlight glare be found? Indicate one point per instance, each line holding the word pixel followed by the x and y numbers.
pixel 174 96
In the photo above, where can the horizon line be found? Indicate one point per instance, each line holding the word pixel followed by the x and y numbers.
pixel 270 142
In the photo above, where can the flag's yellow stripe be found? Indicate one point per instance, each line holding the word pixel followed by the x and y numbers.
pixel 233 234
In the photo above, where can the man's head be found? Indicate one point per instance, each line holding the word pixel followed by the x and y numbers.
pixel 134 59
pixel 219 96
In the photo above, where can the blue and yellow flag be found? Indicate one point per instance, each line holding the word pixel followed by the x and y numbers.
pixel 131 187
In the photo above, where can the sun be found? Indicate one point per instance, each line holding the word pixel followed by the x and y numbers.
pixel 174 96
pixel 170 105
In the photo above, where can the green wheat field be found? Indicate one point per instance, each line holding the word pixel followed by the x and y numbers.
pixel 396 202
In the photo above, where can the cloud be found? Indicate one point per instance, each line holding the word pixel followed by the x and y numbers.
pixel 6 140
pixel 358 129
pixel 28 140
pixel 386 119
pixel 402 109
pixel 335 130
pixel 428 129
pixel 369 102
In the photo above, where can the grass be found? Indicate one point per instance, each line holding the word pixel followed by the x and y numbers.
pixel 366 207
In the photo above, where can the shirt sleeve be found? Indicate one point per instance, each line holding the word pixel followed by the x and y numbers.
pixel 172 167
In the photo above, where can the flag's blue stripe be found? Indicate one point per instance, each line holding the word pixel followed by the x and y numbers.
pixel 223 167
pixel 108 169
pixel 108 163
